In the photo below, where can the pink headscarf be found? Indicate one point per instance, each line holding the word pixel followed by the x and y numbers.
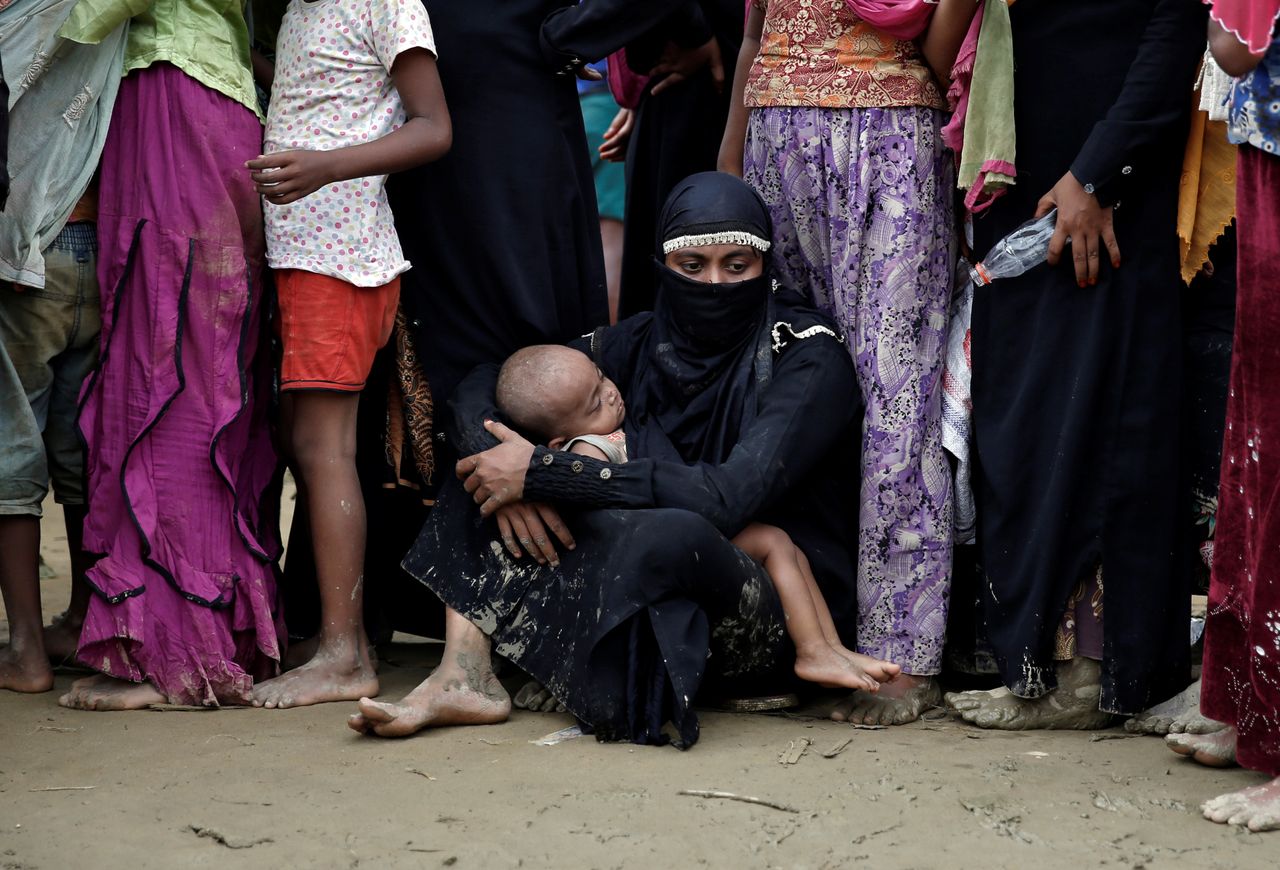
pixel 1250 21
pixel 901 19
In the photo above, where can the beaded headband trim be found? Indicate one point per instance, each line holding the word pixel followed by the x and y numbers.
pixel 733 237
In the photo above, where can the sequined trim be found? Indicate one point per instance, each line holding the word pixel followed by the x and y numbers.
pixel 731 237
pixel 779 343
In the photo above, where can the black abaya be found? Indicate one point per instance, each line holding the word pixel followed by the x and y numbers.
pixel 654 598
pixel 1075 390
pixel 502 232
pixel 732 417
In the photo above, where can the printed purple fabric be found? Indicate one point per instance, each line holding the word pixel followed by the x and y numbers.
pixel 180 456
pixel 863 224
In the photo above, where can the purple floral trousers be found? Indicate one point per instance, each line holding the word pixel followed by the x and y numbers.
pixel 863 223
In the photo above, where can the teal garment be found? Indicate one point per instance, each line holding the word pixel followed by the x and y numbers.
pixel 61 94
pixel 206 39
pixel 598 110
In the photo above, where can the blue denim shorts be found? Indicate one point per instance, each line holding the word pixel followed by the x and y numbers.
pixel 48 346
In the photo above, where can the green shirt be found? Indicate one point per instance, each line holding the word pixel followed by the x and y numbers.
pixel 206 39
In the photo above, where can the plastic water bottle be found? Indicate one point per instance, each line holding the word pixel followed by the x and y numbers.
pixel 1022 249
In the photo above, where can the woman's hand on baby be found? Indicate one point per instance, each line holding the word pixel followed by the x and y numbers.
pixel 532 526
pixel 288 176
pixel 496 477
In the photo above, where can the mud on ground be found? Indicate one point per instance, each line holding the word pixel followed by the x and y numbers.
pixel 295 788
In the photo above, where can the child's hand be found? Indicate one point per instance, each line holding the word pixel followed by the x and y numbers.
pixel 616 138
pixel 288 176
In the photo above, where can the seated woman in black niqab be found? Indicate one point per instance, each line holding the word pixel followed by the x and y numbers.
pixel 740 401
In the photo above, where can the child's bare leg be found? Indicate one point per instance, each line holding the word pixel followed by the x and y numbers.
pixel 882 671
pixel 816 660
pixel 324 448
pixel 23 665
pixel 62 635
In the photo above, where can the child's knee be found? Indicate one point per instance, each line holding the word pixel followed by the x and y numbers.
pixel 772 538
pixel 316 447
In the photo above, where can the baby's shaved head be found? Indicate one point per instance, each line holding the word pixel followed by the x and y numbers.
pixel 534 383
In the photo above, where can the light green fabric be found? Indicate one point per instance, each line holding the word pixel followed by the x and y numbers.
pixel 206 39
pixel 988 125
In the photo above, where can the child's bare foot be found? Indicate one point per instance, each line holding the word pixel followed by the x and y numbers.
pixel 878 669
pixel 1215 749
pixel 101 692
pixel 1256 808
pixel 24 672
pixel 62 638
pixel 462 691
pixel 821 663
pixel 335 673
pixel 298 654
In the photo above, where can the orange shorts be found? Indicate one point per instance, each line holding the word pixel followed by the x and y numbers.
pixel 331 329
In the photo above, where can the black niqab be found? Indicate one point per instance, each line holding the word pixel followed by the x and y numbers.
pixel 696 374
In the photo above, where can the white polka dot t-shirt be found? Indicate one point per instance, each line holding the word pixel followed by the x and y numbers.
pixel 332 89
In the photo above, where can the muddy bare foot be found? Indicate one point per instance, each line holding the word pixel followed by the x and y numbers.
pixel 533 697
pixel 1256 808
pixel 821 663
pixel 298 654
pixel 1180 714
pixel 899 701
pixel 1216 749
pixel 1073 705
pixel 101 692
pixel 24 673
pixel 342 674
pixel 462 691
pixel 61 639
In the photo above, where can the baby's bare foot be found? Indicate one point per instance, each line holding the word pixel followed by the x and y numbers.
pixel 821 663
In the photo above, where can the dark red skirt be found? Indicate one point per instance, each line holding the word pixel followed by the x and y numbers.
pixel 1242 646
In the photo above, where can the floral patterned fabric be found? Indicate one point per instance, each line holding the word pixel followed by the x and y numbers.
pixel 862 213
pixel 1254 112
pixel 819 53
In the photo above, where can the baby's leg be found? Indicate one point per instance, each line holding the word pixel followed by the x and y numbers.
pixel 816 660
pixel 877 668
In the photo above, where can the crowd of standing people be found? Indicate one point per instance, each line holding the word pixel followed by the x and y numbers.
pixel 733 416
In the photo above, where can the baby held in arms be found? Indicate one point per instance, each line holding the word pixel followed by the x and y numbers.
pixel 558 396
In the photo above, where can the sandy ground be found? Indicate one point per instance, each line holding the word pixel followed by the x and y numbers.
pixel 259 788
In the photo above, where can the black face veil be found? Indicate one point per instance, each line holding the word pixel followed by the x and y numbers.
pixel 711 208
pixel 706 352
